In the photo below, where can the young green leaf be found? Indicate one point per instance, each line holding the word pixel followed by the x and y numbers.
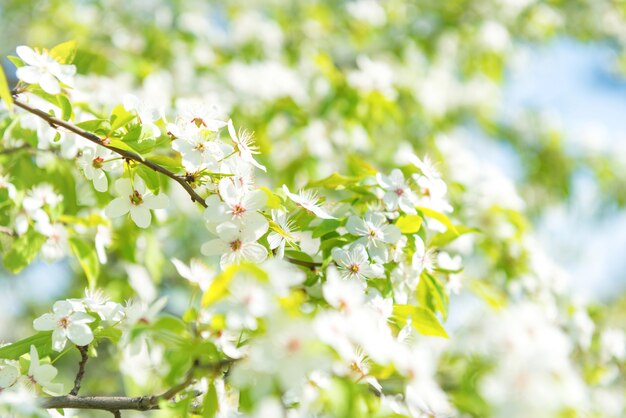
pixel 23 251
pixel 5 93
pixel 88 259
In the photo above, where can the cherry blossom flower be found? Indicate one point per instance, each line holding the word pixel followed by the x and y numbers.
pixel 244 145
pixel 136 200
pixel 40 196
pixel 198 147
pixel 354 263
pixel 276 240
pixel 240 206
pixel 94 161
pixel 42 374
pixel 199 114
pixel 5 183
pixel 308 200
pixel 97 302
pixel 423 259
pixel 66 323
pixel 146 112
pixel 44 70
pixel 235 245
pixel 398 195
pixel 345 294
pixel 196 272
pixel 375 233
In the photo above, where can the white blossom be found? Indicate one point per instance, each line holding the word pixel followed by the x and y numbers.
pixel 136 200
pixel 44 70
pixel 66 324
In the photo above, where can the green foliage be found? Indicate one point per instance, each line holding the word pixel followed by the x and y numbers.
pixel 86 255
pixel 23 251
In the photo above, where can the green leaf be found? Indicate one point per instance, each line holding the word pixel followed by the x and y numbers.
pixel 409 224
pixel 95 125
pixel 423 320
pixel 64 52
pixel 335 181
pixel 23 251
pixel 110 333
pixel 444 238
pixel 439 217
pixel 327 226
pixel 120 117
pixel 66 107
pixel 273 200
pixel 494 298
pixel 150 177
pixel 17 61
pixel 431 293
pixel 88 259
pixel 42 342
pixel 210 405
pixel 5 92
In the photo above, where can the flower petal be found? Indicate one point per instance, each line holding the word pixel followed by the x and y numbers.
pixel 117 207
pixel 8 376
pixel 45 322
pixel 81 318
pixel 59 337
pixel 254 252
pixel 214 247
pixel 30 75
pixel 49 84
pixel 62 308
pixel 159 201
pixel 141 216
pixel 123 187
pixel 80 334
pixel 27 54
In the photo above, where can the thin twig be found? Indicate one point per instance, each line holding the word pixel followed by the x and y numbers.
pixel 81 369
pixel 57 123
pixel 116 414
pixel 7 151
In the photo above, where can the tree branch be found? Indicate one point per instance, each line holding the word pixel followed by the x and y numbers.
pixel 56 123
pixel 115 404
pixel 81 369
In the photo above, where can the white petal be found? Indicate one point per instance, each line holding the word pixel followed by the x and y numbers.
pixel 123 187
pixel 59 337
pixel 141 216
pixel 80 334
pixel 34 359
pixel 231 131
pixel 254 226
pixel 81 318
pixel 45 373
pixel 30 75
pixel 8 376
pixel 45 322
pixel 100 181
pixel 255 200
pixel 274 239
pixel 229 192
pixel 215 247
pixel 27 54
pixel 62 308
pixel 321 213
pixel 139 184
pixel 356 226
pixel 182 269
pixel 228 231
pixel 159 201
pixel 49 84
pixel 254 252
pixel 117 207
pixel 130 102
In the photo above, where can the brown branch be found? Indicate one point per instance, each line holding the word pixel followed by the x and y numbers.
pixel 8 151
pixel 81 369
pixel 115 404
pixel 57 123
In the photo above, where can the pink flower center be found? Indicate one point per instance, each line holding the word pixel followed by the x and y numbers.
pixel 238 210
pixel 399 192
pixel 293 345
pixel 64 322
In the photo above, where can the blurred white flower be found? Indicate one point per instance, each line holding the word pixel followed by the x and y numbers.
pixel 42 374
pixel 44 70
pixel 308 200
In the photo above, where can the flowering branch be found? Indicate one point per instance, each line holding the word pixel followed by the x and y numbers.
pixel 81 369
pixel 56 123
pixel 115 404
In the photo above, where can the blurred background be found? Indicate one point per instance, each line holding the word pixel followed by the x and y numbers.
pixel 522 102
